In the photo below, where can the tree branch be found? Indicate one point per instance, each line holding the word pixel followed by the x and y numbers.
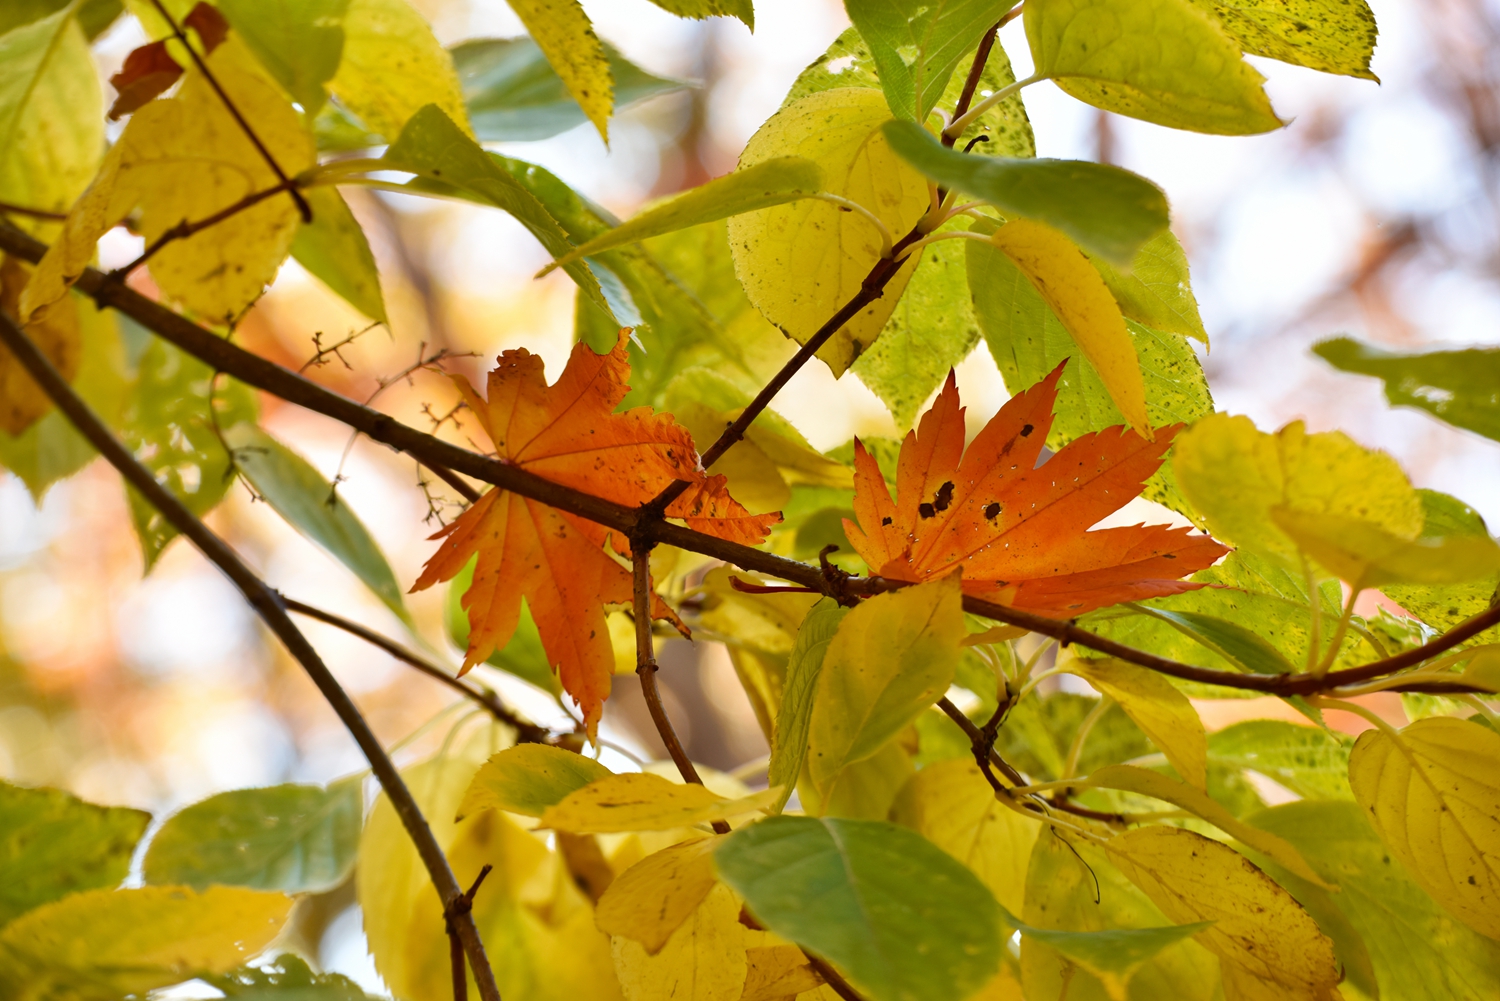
pixel 268 604
pixel 642 522
pixel 185 229
pixel 526 731
pixel 32 213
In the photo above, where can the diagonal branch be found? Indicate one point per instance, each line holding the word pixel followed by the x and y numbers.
pixel 440 455
pixel 268 604
pixel 286 182
pixel 185 229
pixel 526 731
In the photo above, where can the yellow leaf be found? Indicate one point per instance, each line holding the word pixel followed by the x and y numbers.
pixel 528 778
pixel 643 802
pixel 186 159
pixel 102 944
pixel 891 658
pixel 1432 792
pixel 1366 555
pixel 864 790
pixel 952 805
pixel 563 32
pixel 1163 61
pixel 54 330
pixel 51 116
pixel 651 899
pixel 1161 711
pixel 1234 475
pixel 1270 946
pixel 801 261
pixel 1073 288
pixel 704 960
pixel 1158 786
pixel 392 66
pixel 777 972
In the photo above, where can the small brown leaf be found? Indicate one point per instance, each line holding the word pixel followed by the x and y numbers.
pixel 147 73
pixel 209 24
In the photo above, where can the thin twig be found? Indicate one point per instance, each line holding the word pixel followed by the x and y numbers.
pixel 463 905
pixel 32 213
pixel 976 73
pixel 268 604
pixel 185 229
pixel 526 731
pixel 286 182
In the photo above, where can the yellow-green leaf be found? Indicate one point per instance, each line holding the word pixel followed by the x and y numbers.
pixel 704 960
pixel 1366 555
pixel 527 779
pixel 891 658
pixel 699 9
pixel 1234 474
pixel 102 944
pixel 804 667
pixel 1157 292
pixel 1432 792
pixel 952 805
pixel 1071 286
pixel 650 900
pixel 393 66
pixel 1335 36
pixel 565 35
pixel 801 261
pixel 1161 711
pixel 334 249
pixel 639 801
pixel 186 159
pixel 51 115
pixel 1164 61
pixel 1158 786
pixel 776 181
pixel 56 333
pixel 1270 947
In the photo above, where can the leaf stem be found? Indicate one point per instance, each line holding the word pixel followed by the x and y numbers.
pixel 268 604
pixel 957 234
pixel 1339 632
pixel 32 213
pixel 1075 750
pixel 1315 618
pixel 849 205
pixel 962 122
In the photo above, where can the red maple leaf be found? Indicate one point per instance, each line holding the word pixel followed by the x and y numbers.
pixel 1018 531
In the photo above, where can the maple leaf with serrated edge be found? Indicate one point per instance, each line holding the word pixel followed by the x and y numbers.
pixel 1020 532
pixel 570 434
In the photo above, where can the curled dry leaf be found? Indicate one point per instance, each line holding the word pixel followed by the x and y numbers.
pixel 1018 531
pixel 569 433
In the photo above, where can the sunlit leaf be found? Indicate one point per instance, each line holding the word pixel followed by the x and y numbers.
pixel 699 9
pixel 333 247
pixel 524 656
pixel 564 33
pixel 529 778
pixel 292 838
pixel 1335 36
pixel 1312 763
pixel 650 900
pixel 1454 386
pixel 901 917
pixel 1113 955
pixel 1365 555
pixel 1431 792
pixel 1164 61
pixel 53 844
pixel 639 801
pixel 703 960
pixel 301 42
pixel 1444 606
pixel 392 66
pixel 804 669
pixel 916 46
pixel 1156 291
pixel 1162 712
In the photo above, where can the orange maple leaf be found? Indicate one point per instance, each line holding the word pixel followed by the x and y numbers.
pixel 1020 532
pixel 570 434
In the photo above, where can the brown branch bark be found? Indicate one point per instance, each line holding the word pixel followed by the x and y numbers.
pixel 32 213
pixel 268 604
pixel 526 731
pixel 185 229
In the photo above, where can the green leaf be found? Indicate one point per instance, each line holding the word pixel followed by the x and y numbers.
pixel 527 779
pixel 771 182
pixel 103 944
pixel 699 9
pixel 564 33
pixel 513 94
pixel 804 667
pixel 93 15
pixel 848 63
pixel 891 658
pixel 931 330
pixel 300 42
pixel 1234 475
pixel 1419 953
pixel 917 45
pixel 1309 761
pixel 51 114
pixel 1163 61
pixel 53 844
pixel 523 656
pixel 333 248
pixel 293 838
pixel 1364 555
pixel 1444 606
pixel 1113 955
pixel 310 504
pixel 905 920
pixel 172 424
pixel 1157 292
pixel 1105 210
pixel 1459 387
pixel 1335 36
pixel 288 979
pixel 392 67
pixel 1240 645
pixel 434 148
pixel 1073 887
pixel 1037 735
